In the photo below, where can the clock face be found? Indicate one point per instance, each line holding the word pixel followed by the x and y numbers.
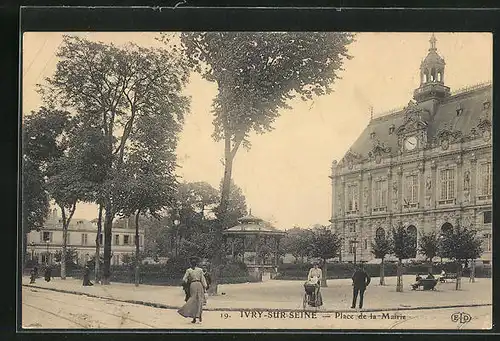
pixel 411 143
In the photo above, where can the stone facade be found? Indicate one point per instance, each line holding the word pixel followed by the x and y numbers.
pixel 44 244
pixel 426 166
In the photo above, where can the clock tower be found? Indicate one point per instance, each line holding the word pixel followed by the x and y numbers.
pixel 431 76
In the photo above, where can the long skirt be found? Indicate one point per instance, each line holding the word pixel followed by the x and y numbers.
pixel 194 305
pixel 319 299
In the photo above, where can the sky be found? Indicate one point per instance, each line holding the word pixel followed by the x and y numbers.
pixel 284 175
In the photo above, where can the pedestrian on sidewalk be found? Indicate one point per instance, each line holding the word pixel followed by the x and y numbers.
pixel 208 279
pixel 86 276
pixel 48 273
pixel 360 281
pixel 33 274
pixel 197 285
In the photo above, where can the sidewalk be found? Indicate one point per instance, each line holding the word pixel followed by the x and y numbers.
pixel 285 295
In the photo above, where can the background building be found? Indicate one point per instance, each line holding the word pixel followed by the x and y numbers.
pixel 44 244
pixel 428 166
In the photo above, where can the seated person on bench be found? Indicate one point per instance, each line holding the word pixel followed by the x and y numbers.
pixel 442 276
pixel 417 282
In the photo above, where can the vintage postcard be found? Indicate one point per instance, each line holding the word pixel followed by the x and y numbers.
pixel 257 180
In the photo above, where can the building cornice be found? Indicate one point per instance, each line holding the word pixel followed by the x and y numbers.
pixel 421 158
pixel 415 212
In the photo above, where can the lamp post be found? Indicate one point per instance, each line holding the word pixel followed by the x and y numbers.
pixel 441 238
pixel 176 224
pixel 32 249
pixel 47 242
pixel 354 243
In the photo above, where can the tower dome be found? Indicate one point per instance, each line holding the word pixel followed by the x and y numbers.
pixel 431 75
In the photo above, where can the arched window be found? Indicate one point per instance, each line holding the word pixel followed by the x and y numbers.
pixel 380 233
pixel 412 231
pixel 433 75
pixel 447 228
pixel 439 76
pixel 425 77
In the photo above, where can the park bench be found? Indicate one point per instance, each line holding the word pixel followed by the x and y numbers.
pixel 426 284
pixel 452 276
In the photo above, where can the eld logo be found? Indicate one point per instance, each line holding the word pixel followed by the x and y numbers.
pixel 461 317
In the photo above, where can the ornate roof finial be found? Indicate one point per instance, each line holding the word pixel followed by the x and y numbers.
pixel 371 112
pixel 433 43
pixel 250 211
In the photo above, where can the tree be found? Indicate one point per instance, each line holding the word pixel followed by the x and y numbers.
pixel 428 247
pixel 296 242
pixel 65 189
pixel 71 258
pixel 147 183
pixel 41 131
pixel 461 244
pixel 237 206
pixel 89 147
pixel 381 247
pixel 199 244
pixel 110 88
pixel 325 245
pixel 257 74
pixel 157 236
pixel 403 248
pixel 71 178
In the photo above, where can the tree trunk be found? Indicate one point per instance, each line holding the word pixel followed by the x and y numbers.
pixel 226 186
pixel 473 271
pixel 108 225
pixel 382 272
pixel 458 281
pixel 137 248
pixel 324 275
pixel 399 285
pixel 64 251
pixel 97 257
pixel 25 249
pixel 429 266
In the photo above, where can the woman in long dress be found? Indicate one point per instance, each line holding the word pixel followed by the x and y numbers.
pixel 315 275
pixel 197 284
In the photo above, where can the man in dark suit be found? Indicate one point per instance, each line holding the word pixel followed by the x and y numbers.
pixel 360 281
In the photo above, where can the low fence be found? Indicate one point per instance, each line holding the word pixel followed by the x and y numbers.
pixel 345 270
pixel 155 278
pixel 160 275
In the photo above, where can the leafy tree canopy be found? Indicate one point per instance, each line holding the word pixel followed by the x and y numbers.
pixel 403 243
pixel 461 243
pixel 428 245
pixel 324 243
pixel 258 73
pixel 381 246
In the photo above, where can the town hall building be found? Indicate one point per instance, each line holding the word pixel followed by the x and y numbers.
pixel 427 166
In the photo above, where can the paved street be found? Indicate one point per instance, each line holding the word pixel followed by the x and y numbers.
pixel 49 309
pixel 288 294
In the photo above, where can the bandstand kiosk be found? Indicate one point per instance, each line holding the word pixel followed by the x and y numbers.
pixel 261 231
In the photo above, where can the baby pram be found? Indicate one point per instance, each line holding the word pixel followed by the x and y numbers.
pixel 312 296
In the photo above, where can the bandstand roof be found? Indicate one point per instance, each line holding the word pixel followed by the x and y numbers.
pixel 250 225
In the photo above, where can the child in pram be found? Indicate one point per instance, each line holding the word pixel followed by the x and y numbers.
pixel 312 285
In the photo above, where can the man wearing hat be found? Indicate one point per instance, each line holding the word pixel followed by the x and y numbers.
pixel 360 281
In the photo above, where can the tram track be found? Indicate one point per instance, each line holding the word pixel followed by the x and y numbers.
pixel 121 316
pixel 57 315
